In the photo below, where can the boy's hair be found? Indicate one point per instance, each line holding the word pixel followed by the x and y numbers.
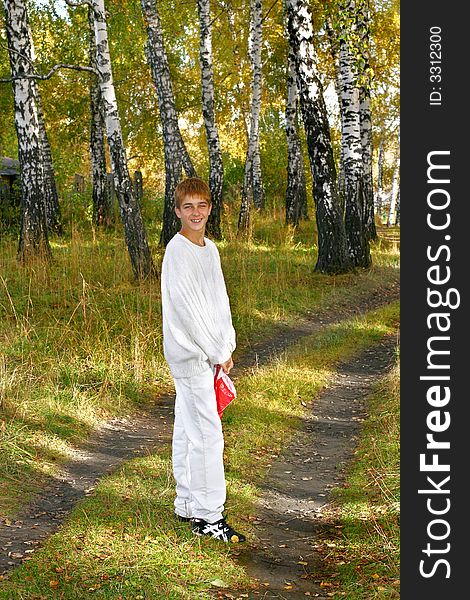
pixel 192 187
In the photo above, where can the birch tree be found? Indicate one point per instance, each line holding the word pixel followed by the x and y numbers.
pixel 216 168
pixel 358 245
pixel 333 45
pixel 296 192
pixel 332 249
pixel 131 216
pixel 365 119
pixel 176 155
pixel 50 196
pixel 379 191
pixel 391 219
pixel 397 217
pixel 33 240
pixel 100 197
pixel 253 189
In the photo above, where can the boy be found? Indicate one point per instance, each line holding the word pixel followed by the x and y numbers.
pixel 197 335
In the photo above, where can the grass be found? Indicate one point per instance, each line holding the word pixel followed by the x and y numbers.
pixel 122 542
pixel 80 342
pixel 364 552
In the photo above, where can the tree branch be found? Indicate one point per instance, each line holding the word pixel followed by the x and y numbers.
pixel 54 69
pixel 80 3
pixel 263 19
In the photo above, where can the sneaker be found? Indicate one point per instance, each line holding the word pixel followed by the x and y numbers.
pixel 182 519
pixel 220 530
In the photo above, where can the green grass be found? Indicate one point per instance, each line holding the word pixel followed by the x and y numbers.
pixel 122 542
pixel 80 342
pixel 365 556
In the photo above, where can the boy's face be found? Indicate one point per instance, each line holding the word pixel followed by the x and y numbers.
pixel 193 212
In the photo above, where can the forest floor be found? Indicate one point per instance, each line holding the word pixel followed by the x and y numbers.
pixel 283 561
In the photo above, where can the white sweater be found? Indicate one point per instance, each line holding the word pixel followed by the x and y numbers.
pixel 197 323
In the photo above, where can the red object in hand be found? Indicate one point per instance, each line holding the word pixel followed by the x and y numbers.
pixel 224 390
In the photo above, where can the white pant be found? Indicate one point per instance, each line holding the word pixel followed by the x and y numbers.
pixel 198 447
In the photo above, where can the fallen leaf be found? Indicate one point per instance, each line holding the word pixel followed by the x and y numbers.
pixel 53 584
pixel 219 583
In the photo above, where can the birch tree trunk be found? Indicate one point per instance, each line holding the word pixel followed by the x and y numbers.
pixel 176 155
pixel 252 183
pixel 391 220
pixel 332 249
pixel 296 192
pixel 216 168
pixel 131 216
pixel 358 245
pixel 33 240
pixel 379 192
pixel 397 218
pixel 334 52
pixel 368 214
pixel 51 197
pixel 101 199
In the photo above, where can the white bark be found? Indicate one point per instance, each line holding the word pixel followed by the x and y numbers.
pixel 334 52
pixel 176 155
pixel 391 220
pixel 379 192
pixel 253 184
pixel 50 195
pixel 332 249
pixel 368 213
pixel 358 245
pixel 33 234
pixel 134 230
pixel 102 206
pixel 296 192
pixel 216 169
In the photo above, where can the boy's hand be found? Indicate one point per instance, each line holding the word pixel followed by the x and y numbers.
pixel 227 365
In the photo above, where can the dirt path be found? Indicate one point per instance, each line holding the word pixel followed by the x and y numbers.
pixel 123 439
pixel 284 561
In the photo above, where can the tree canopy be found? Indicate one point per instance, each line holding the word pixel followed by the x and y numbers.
pixel 60 35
